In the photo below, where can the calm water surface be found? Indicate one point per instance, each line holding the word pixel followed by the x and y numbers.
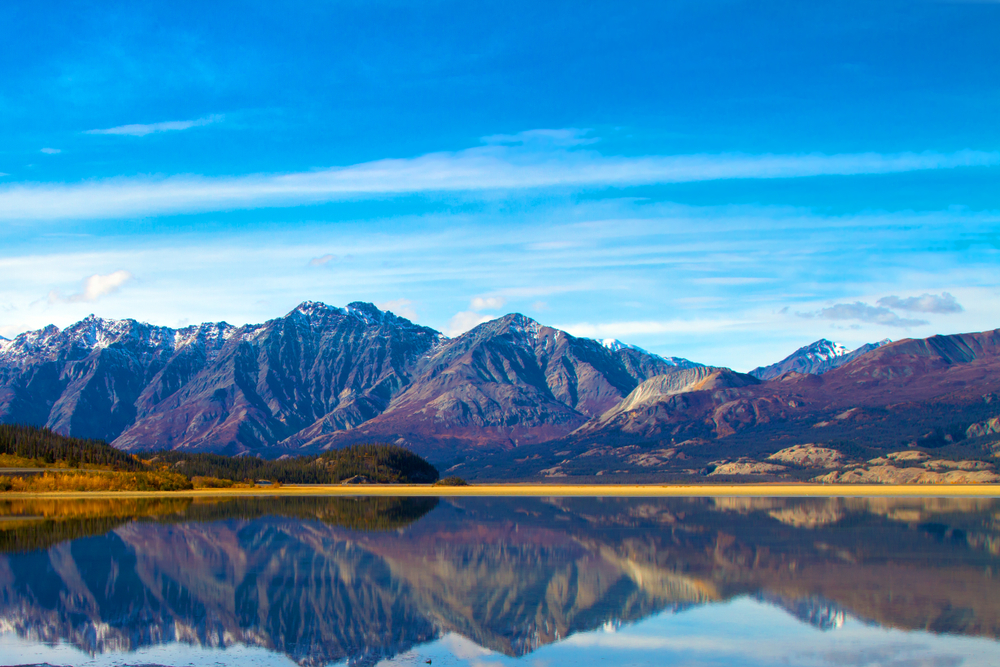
pixel 490 581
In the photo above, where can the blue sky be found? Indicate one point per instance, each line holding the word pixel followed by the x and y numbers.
pixel 719 180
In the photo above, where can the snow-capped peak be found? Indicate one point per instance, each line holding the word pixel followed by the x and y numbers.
pixel 822 350
pixel 816 358
pixel 314 309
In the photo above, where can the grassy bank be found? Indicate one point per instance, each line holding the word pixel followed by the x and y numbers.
pixel 536 490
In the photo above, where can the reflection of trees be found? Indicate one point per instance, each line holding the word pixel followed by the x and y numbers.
pixel 27 524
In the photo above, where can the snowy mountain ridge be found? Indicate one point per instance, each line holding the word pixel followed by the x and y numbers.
pixel 615 345
pixel 816 358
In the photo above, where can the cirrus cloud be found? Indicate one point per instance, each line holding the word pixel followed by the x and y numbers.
pixel 483 168
pixel 141 130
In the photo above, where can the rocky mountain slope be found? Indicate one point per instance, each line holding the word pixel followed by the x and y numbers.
pixel 309 380
pixel 504 384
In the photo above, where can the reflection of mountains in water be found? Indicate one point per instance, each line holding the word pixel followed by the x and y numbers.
pixel 815 611
pixel 302 576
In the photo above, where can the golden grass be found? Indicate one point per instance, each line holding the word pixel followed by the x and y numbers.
pixel 536 490
pixel 94 481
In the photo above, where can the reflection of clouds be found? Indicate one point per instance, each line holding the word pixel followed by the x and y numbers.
pixel 627 641
pixel 462 647
pixel 749 632
pixel 897 654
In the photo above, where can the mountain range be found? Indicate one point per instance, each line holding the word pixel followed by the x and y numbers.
pixel 323 377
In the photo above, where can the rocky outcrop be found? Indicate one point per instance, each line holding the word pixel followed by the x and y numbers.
pixel 746 467
pixel 984 428
pixel 809 456
pixel 892 469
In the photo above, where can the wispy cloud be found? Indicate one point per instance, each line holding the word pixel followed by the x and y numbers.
pixel 51 151
pixel 94 287
pixel 485 168
pixel 141 130
pixel 862 312
pixel 941 304
pixel 322 260
pixel 564 137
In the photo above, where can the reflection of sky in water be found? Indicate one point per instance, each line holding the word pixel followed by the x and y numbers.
pixel 741 632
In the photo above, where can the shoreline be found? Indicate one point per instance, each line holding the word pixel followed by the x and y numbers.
pixel 560 490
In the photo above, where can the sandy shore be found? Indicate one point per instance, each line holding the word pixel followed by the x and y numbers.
pixel 536 490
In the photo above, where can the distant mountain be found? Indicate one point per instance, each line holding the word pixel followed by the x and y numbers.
pixel 910 411
pixel 960 367
pixel 816 358
pixel 300 382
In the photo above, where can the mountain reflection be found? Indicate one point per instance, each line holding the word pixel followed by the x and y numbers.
pixel 329 579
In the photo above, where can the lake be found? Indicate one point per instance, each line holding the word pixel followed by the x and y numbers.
pixel 500 581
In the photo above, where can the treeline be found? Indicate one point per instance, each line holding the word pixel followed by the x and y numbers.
pixel 164 470
pixel 32 442
pixel 378 463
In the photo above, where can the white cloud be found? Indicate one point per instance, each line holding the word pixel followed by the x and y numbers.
pixel 94 287
pixel 862 312
pixel 465 320
pixel 401 307
pixel 51 151
pixel 487 303
pixel 944 303
pixel 139 130
pixel 486 168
